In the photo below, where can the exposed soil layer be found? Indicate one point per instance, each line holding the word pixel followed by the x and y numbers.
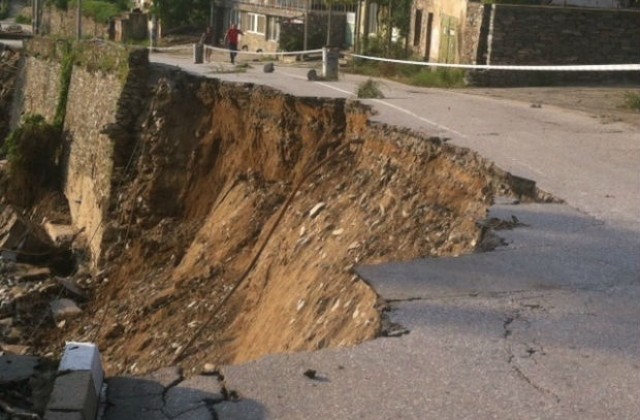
pixel 241 186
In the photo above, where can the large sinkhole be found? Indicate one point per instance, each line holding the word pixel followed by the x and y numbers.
pixel 231 183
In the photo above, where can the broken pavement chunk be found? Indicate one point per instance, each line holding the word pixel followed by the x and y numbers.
pixel 19 234
pixel 64 309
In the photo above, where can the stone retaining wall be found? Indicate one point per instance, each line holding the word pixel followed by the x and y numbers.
pixel 99 124
pixel 555 35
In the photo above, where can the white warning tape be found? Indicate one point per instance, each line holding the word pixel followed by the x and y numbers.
pixel 575 67
pixel 279 53
pixel 188 47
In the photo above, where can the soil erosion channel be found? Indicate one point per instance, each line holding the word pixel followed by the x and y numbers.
pixel 228 182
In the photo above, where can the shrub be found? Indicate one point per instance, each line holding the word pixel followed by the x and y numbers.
pixel 23 19
pixel 101 11
pixel 369 89
pixel 446 78
pixel 33 151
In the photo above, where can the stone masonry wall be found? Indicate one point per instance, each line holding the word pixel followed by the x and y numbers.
pixel 92 105
pixel 99 126
pixel 64 23
pixel 555 35
pixel 38 90
pixel 472 34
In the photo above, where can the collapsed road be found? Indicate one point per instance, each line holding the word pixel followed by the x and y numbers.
pixel 157 290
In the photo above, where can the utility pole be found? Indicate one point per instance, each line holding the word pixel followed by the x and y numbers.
pixel 36 14
pixel 211 13
pixel 79 20
pixel 306 25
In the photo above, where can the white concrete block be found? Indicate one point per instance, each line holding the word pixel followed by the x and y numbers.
pixel 83 356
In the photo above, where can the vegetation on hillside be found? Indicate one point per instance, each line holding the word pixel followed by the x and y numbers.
pixel 33 151
pixel 174 13
pixel 100 10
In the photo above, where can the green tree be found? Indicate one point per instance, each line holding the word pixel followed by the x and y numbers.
pixel 175 13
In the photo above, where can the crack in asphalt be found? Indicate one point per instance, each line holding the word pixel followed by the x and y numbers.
pixel 511 357
pixel 173 384
pixel 206 402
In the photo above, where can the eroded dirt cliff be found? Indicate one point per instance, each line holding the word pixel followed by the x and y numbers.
pixel 239 188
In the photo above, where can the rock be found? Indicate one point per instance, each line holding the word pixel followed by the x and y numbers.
pixel 14 349
pixel 64 309
pixel 31 273
pixel 310 373
pixel 317 209
pixel 71 286
pixel 209 369
pixel 337 232
pixel 19 235
pixel 60 234
pixel 268 68
pixel 13 336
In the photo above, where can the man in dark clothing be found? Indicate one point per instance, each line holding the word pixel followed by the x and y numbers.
pixel 207 40
pixel 231 38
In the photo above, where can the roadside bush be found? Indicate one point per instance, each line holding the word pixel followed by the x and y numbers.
pixel 369 89
pixel 411 74
pixel 446 78
pixel 33 151
pixel 25 20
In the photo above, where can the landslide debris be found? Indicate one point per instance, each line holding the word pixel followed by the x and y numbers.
pixel 202 198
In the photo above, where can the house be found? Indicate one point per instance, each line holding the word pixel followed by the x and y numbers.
pixel 436 27
pixel 472 32
pixel 304 23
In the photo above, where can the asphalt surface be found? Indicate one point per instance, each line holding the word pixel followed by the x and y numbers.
pixel 543 328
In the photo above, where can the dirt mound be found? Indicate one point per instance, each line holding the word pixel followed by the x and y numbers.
pixel 238 186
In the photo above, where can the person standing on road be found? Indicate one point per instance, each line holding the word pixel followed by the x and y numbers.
pixel 231 38
pixel 207 40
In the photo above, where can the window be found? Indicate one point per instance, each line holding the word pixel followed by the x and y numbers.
pixel 373 19
pixel 273 28
pixel 235 16
pixel 417 26
pixel 255 23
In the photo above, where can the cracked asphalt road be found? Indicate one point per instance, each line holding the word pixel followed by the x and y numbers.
pixel 545 327
pixel 163 395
